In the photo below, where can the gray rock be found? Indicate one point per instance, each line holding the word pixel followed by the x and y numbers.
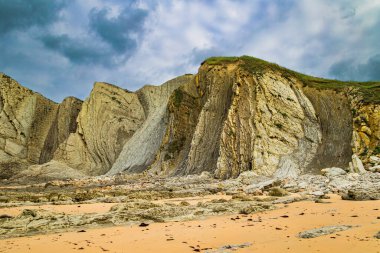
pixel 141 149
pixel 247 177
pixel 332 172
pixel 363 193
pixel 375 168
pixel 205 175
pixel 374 159
pixel 317 193
pixel 377 236
pixel 352 176
pixel 312 233
pixel 337 184
pixel 230 247
pixel 262 185
pixel 357 165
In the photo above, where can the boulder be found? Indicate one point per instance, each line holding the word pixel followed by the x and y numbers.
pixel 362 192
pixel 323 231
pixel 247 177
pixel 332 172
pixel 357 165
pixel 52 170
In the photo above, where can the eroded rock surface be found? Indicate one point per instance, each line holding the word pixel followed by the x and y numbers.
pixel 235 115
pixel 108 118
pixel 140 151
pixel 25 121
pixel 324 231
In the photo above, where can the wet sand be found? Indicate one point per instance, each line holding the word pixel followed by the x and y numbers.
pixel 272 231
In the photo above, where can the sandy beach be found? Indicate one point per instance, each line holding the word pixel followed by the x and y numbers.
pixel 270 231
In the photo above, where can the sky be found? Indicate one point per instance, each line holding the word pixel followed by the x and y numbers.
pixel 60 48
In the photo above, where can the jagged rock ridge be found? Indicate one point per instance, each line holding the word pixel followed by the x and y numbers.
pixel 234 115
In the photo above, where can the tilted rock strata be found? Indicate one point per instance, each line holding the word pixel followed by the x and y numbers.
pixel 25 121
pixel 140 150
pixel 65 122
pixel 108 118
pixel 366 132
pixel 266 122
pixel 245 122
pixel 183 110
pixel 226 119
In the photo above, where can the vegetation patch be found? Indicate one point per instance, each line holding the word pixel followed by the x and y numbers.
pixel 220 60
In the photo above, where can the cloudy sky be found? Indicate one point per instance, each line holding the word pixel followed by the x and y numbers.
pixel 59 48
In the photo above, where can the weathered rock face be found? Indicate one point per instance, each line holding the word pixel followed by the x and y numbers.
pixel 234 115
pixel 25 120
pixel 231 120
pixel 139 151
pixel 52 170
pixel 108 118
pixel 183 110
pixel 241 122
pixel 335 119
pixel 63 124
pixel 366 134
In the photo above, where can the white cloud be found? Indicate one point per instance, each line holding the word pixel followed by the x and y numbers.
pixel 309 36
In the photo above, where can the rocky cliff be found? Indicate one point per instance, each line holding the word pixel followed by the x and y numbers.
pixel 107 119
pixel 140 150
pixel 236 114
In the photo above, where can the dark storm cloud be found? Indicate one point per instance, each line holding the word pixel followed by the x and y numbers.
pixel 76 50
pixel 349 70
pixel 108 41
pixel 120 32
pixel 21 15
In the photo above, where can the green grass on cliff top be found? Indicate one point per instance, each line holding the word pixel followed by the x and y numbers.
pixel 369 90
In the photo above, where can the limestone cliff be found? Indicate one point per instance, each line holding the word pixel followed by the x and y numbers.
pixel 65 122
pixel 236 114
pixel 182 116
pixel 241 122
pixel 140 150
pixel 25 120
pixel 366 128
pixel 244 114
pixel 107 119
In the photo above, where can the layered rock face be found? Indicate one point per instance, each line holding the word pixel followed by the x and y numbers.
pixel 65 122
pixel 31 126
pixel 25 120
pixel 234 115
pixel 366 130
pixel 231 120
pixel 335 120
pixel 140 150
pixel 108 118
pixel 241 122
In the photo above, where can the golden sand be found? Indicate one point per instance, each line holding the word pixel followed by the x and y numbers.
pixel 272 231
